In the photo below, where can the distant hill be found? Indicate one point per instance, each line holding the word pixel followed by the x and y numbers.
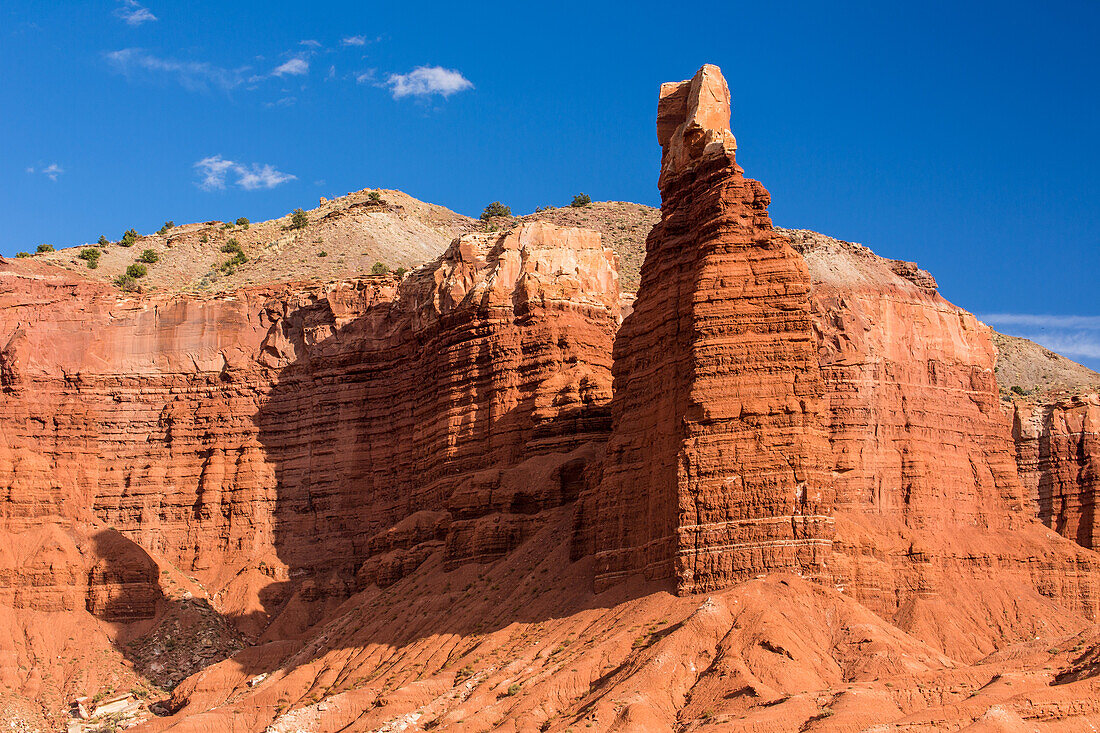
pixel 343 237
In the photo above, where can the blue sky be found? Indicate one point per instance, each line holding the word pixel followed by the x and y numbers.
pixel 959 135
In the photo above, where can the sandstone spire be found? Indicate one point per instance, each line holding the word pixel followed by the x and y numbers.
pixel 715 467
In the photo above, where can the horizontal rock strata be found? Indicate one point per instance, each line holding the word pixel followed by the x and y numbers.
pixel 716 469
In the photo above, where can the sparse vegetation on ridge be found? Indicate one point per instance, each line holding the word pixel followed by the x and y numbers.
pixel 581 199
pixel 91 256
pixel 45 248
pixel 495 209
pixel 299 219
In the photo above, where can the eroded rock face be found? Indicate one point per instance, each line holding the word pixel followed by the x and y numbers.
pixel 930 510
pixel 716 469
pixel 272 434
pixel 1058 451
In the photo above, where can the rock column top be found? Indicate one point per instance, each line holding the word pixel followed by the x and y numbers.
pixel 693 121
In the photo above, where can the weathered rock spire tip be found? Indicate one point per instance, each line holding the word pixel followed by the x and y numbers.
pixel 693 120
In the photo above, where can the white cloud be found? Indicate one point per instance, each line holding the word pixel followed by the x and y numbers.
pixel 367 77
pixel 1043 321
pixel 284 102
pixel 310 42
pixel 133 13
pixel 355 41
pixel 191 75
pixel 293 67
pixel 258 176
pixel 1073 343
pixel 51 171
pixel 214 170
pixel 1069 335
pixel 424 81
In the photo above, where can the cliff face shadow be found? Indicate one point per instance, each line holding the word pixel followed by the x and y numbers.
pixel 424 462
pixel 166 635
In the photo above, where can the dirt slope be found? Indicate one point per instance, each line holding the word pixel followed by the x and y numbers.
pixel 344 236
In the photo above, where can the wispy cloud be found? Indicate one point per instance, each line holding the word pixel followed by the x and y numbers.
pixel 1071 335
pixel 51 171
pixel 292 67
pixel 370 76
pixel 191 75
pixel 133 13
pixel 1079 344
pixel 284 102
pixel 355 41
pixel 215 170
pixel 1042 321
pixel 310 42
pixel 424 81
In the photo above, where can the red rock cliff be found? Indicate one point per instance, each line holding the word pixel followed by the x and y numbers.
pixel 1058 451
pixel 716 469
pixel 254 439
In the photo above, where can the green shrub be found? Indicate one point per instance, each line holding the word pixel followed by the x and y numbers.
pixel 243 222
pixel 375 197
pixel 45 248
pixel 581 199
pixel 512 689
pixel 322 253
pixel 379 269
pixel 149 256
pixel 496 209
pixel 91 256
pixel 1017 389
pixel 126 282
pixel 204 239
pixel 400 272
pixel 239 258
pixel 227 225
pixel 103 241
pixel 136 270
pixel 23 254
pixel 299 219
pixel 167 225
pixel 128 238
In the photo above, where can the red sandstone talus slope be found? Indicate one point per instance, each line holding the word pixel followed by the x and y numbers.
pixel 716 469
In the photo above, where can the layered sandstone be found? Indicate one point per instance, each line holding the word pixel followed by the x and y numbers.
pixel 1058 451
pixel 258 438
pixel 931 514
pixel 716 466
pixel 403 489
